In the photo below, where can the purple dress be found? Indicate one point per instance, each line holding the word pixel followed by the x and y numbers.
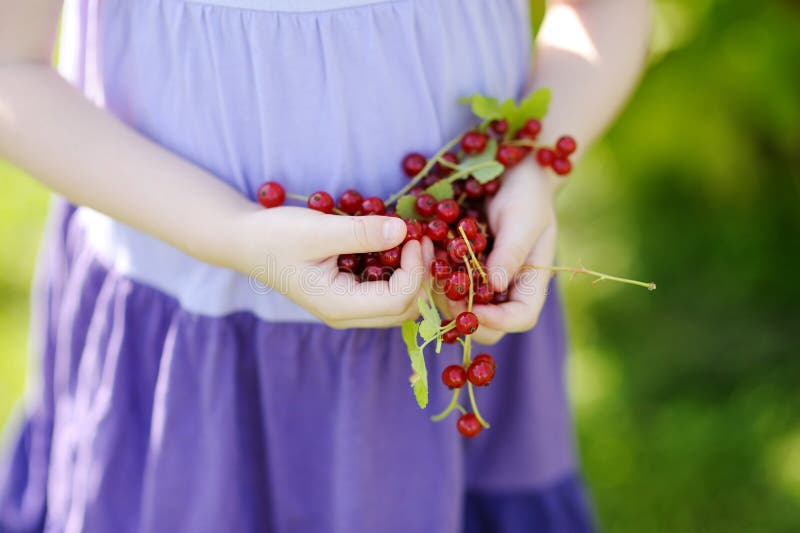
pixel 176 396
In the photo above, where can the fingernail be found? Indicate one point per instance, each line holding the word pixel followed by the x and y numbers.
pixel 393 229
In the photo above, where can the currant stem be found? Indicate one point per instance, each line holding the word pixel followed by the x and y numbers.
pixel 650 286
pixel 469 170
pixel 422 173
pixel 474 405
pixel 447 410
pixel 301 198
pixel 474 260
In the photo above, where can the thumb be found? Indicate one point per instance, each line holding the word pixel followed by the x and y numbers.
pixel 350 235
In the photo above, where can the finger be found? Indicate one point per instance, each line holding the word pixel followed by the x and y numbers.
pixel 528 293
pixel 487 336
pixel 336 235
pixel 379 322
pixel 512 246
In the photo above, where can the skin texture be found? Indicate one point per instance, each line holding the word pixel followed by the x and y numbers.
pixel 93 159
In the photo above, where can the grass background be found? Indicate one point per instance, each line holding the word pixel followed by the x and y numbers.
pixel 687 398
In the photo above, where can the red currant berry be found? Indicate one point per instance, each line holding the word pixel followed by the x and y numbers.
pixel 457 286
pixel 440 269
pixel 321 201
pixel 454 377
pixel 416 191
pixel 530 130
pixel 510 155
pixel 565 145
pixel 500 297
pixel 562 167
pixel 483 293
pixel 429 180
pixel 350 201
pixel 373 273
pixel 466 323
pixel 479 243
pixel 469 426
pixel 391 257
pixel 448 210
pixel 474 142
pixel 500 127
pixel 458 188
pixel 426 205
pixel 372 258
pixel 485 357
pixel 436 229
pixel 480 373
pixel 473 188
pixel 271 194
pixel 490 188
pixel 470 227
pixel 414 230
pixel 457 249
pixel 373 206
pixel 413 164
pixel 350 263
pixel 450 336
pixel 545 157
pixel 444 170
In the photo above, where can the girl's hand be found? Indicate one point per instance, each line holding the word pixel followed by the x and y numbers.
pixel 293 250
pixel 523 220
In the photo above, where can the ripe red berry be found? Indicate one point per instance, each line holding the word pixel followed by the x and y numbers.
pixel 454 376
pixel 440 269
pixel 500 127
pixel 429 180
pixel 545 157
pixel 490 188
pixel 414 230
pixel 391 257
pixel 530 130
pixel 350 263
pixel 350 201
pixel 500 297
pixel 480 373
pixel 470 227
pixel 374 273
pixel 510 155
pixel 466 323
pixel 479 243
pixel 485 357
pixel 562 167
pixel 416 191
pixel 474 142
pixel 457 286
pixel 426 205
pixel 473 188
pixel 271 194
pixel 565 145
pixel 469 426
pixel 483 293
pixel 373 206
pixel 457 249
pixel 321 201
pixel 448 210
pixel 413 164
pixel 436 229
pixel 450 336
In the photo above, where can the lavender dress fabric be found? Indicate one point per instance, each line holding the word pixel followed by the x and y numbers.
pixel 157 410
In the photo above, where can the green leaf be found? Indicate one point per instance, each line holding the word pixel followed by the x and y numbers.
pixel 492 168
pixel 420 377
pixel 533 106
pixel 484 107
pixel 431 321
pixel 406 206
pixel 508 108
pixel 440 190
pixel 409 332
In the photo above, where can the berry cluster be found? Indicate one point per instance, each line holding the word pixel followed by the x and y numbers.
pixel 445 201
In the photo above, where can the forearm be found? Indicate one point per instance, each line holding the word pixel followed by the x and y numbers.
pixel 590 54
pixel 87 155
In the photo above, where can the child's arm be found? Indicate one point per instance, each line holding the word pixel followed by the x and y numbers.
pixel 87 155
pixel 590 53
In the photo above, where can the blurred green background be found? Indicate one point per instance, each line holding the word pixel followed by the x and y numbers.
pixel 687 398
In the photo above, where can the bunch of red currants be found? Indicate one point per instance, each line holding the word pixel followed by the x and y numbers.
pixel 446 202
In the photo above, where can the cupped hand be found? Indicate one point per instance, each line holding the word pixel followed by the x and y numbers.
pixel 294 251
pixel 522 218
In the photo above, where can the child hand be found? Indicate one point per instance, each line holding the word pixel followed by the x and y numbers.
pixel 294 250
pixel 522 217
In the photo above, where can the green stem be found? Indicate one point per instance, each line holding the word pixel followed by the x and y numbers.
pixel 475 261
pixel 422 173
pixel 649 285
pixel 474 405
pixel 447 410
